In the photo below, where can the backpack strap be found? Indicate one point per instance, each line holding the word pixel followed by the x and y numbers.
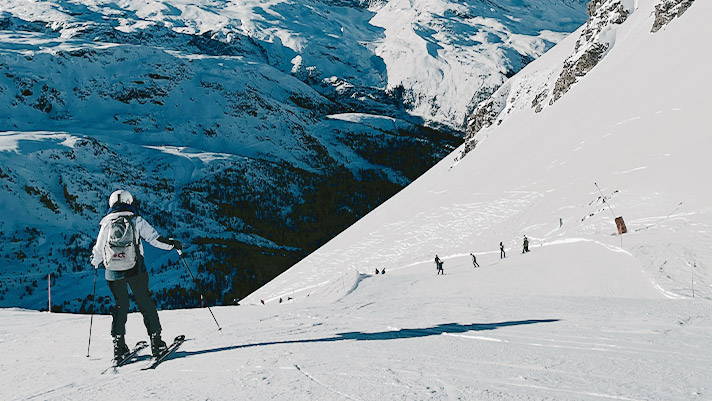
pixel 137 238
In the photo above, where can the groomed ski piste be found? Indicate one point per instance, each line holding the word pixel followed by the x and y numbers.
pixel 586 315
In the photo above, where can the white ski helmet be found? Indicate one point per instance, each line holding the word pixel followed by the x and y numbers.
pixel 120 196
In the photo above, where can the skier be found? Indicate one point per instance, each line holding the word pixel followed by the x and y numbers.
pixel 526 245
pixel 119 250
pixel 377 271
pixel 439 265
pixel 474 260
pixel 383 271
pixel 502 255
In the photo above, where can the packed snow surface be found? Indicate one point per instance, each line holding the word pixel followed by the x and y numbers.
pixel 528 327
pixel 585 315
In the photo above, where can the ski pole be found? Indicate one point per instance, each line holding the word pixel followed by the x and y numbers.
pixel 93 304
pixel 180 253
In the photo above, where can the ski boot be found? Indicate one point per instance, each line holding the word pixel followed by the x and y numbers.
pixel 120 348
pixel 158 346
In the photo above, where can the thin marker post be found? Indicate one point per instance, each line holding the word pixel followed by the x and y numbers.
pixel 609 208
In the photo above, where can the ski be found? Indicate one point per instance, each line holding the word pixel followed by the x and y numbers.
pixel 174 346
pixel 127 358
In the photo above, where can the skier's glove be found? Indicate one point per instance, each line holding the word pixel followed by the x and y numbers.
pixel 176 244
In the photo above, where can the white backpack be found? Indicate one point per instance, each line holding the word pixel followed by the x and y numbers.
pixel 121 244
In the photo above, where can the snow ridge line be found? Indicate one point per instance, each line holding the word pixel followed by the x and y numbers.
pixel 276 297
pixel 310 377
pixel 542 243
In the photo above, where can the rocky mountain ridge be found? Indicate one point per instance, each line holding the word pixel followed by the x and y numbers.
pixel 540 89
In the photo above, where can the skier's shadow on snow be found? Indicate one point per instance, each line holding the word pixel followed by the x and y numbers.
pixel 444 328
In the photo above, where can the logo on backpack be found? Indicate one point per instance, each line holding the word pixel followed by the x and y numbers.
pixel 121 243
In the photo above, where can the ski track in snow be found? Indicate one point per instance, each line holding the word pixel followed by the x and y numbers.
pixel 310 377
pixel 577 393
pixel 631 170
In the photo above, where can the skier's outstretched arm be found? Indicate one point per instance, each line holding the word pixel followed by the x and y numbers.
pixel 150 235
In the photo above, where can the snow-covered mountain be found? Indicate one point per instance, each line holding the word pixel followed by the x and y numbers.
pixel 541 87
pixel 255 131
pixel 449 56
pixel 444 55
pixel 585 315
pixel 634 124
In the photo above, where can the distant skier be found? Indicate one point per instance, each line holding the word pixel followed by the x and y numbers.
pixel 525 247
pixel 383 271
pixel 502 255
pixel 474 260
pixel 377 271
pixel 439 265
pixel 119 250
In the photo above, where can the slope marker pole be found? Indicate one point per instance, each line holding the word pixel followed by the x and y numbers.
pixel 692 277
pixel 609 208
pixel 604 200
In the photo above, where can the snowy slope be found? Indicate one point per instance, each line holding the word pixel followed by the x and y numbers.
pixel 253 130
pixel 502 331
pixel 639 135
pixel 586 315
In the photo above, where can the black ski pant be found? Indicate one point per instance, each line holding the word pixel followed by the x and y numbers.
pixel 139 288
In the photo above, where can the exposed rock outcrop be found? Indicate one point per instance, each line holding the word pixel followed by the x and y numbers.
pixel 668 10
pixel 575 68
pixel 484 115
pixel 592 45
pixel 594 42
